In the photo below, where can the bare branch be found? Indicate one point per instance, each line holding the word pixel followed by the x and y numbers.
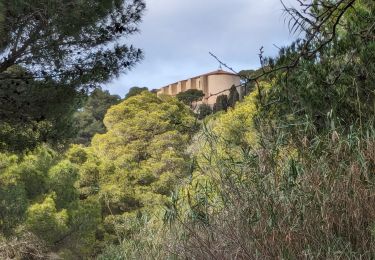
pixel 333 12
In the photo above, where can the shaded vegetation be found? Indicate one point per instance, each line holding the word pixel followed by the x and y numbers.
pixel 89 119
pixel 190 97
pixel 75 42
pixel 286 172
pixel 135 91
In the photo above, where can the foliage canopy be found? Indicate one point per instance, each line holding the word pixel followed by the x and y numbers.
pixel 75 42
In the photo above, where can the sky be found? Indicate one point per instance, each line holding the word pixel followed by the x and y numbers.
pixel 176 37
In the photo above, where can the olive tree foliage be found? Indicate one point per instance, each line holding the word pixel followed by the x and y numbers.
pixel 75 42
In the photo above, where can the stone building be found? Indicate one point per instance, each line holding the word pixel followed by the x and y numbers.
pixel 212 84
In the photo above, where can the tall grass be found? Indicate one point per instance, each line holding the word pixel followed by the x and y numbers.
pixel 313 201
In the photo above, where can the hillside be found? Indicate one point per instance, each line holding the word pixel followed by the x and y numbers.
pixel 286 172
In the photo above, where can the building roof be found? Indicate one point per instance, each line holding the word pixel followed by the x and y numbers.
pixel 216 72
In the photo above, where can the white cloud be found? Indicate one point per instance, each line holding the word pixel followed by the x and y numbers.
pixel 176 36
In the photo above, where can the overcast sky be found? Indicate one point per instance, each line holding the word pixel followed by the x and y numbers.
pixel 177 35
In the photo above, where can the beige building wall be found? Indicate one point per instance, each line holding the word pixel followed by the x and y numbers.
pixel 211 83
pixel 174 89
pixel 179 87
pixel 193 83
pixel 183 85
pixel 219 83
pixel 170 92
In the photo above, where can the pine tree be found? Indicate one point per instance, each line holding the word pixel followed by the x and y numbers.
pixel 79 42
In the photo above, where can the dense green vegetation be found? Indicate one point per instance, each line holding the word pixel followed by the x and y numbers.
pixel 135 91
pixel 32 112
pixel 52 54
pixel 75 42
pixel 81 201
pixel 89 118
pixel 190 97
pixel 286 172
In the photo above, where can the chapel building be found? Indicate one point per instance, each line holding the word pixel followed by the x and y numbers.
pixel 212 84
